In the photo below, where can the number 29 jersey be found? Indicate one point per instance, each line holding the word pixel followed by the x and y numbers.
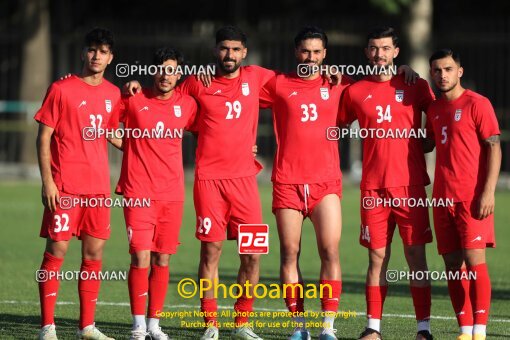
pixel 227 123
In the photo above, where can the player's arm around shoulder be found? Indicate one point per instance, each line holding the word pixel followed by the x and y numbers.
pixel 119 116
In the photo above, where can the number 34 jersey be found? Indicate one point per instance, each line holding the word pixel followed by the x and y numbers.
pixel 79 161
pixel 303 111
pixel 389 108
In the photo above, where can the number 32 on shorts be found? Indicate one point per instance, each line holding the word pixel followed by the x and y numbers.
pixel 205 225
pixel 61 223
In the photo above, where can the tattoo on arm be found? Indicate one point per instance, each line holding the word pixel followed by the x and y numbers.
pixel 492 140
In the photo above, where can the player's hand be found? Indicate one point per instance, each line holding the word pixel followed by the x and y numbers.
pixel 485 204
pixel 205 78
pixel 131 88
pixel 333 79
pixel 409 74
pixel 50 196
pixel 66 76
pixel 254 149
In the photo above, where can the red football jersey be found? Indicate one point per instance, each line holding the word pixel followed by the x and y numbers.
pixel 79 166
pixel 227 123
pixel 152 165
pixel 388 106
pixel 458 128
pixel 303 110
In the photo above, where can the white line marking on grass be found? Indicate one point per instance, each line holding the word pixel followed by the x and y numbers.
pixel 126 304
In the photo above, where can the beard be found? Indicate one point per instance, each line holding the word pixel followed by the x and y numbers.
pixel 447 89
pixel 228 70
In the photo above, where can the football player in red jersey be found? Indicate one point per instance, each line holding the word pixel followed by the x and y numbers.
pixel 468 158
pixel 73 167
pixel 152 168
pixel 307 181
pixel 393 168
pixel 225 191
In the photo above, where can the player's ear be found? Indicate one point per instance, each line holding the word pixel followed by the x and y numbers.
pixel 110 58
pixel 324 54
pixel 395 53
pixel 83 54
pixel 245 52
pixel 460 72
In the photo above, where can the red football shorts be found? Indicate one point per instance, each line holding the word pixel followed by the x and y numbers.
pixel 383 209
pixel 303 197
pixel 222 204
pixel 155 228
pixel 457 229
pixel 73 220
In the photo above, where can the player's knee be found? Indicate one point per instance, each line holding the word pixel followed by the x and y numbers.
pixel 329 254
pixel 474 257
pixel 290 254
pixel 210 253
pixel 377 257
pixel 57 249
pixel 161 260
pixel 250 261
pixel 453 261
pixel 141 259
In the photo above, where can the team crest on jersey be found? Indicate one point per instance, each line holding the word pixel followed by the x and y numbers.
pixel 324 93
pixel 108 105
pixel 245 89
pixel 458 114
pixel 399 96
pixel 177 110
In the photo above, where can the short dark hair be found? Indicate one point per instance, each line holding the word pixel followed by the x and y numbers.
pixel 231 33
pixel 311 32
pixel 383 32
pixel 167 53
pixel 443 53
pixel 100 36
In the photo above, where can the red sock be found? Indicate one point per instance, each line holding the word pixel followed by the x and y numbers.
pixel 480 293
pixel 48 290
pixel 244 306
pixel 138 285
pixel 158 285
pixel 461 302
pixel 422 301
pixel 88 289
pixel 331 296
pixel 375 296
pixel 294 297
pixel 210 307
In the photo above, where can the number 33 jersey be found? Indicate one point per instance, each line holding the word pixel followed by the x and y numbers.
pixel 389 108
pixel 303 111
pixel 76 110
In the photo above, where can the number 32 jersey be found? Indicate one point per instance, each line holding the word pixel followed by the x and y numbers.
pixel 79 162
pixel 303 110
pixel 385 106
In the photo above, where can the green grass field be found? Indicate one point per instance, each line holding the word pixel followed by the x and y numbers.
pixel 21 251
